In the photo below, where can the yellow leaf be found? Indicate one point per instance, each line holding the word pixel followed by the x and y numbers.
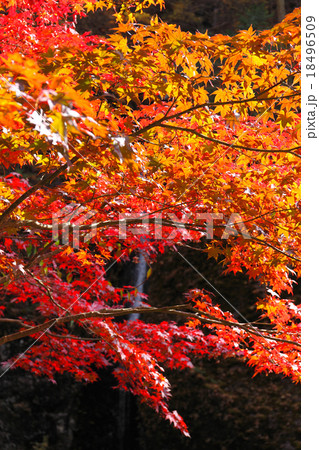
pixel 58 125
pixel 213 252
pixel 258 61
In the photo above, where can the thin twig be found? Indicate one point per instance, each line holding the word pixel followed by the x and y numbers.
pixel 46 180
pixel 230 145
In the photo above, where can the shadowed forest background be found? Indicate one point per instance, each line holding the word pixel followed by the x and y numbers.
pixel 223 406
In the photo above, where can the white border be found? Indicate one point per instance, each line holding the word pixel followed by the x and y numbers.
pixel 310 247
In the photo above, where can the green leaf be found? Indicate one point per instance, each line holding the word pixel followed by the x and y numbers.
pixel 69 277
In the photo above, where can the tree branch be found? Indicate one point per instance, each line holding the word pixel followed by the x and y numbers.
pixel 267 244
pixel 213 104
pixel 105 313
pixel 38 257
pixel 47 290
pixel 227 144
pixel 151 220
pixel 17 322
pixel 34 188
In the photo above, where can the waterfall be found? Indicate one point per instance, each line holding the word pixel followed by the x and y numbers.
pixel 126 403
pixel 140 272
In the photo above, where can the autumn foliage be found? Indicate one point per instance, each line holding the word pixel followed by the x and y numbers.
pixel 172 127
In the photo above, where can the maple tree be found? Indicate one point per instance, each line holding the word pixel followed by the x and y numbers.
pixel 137 140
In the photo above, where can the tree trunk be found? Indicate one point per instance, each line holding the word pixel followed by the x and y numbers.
pixel 281 11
